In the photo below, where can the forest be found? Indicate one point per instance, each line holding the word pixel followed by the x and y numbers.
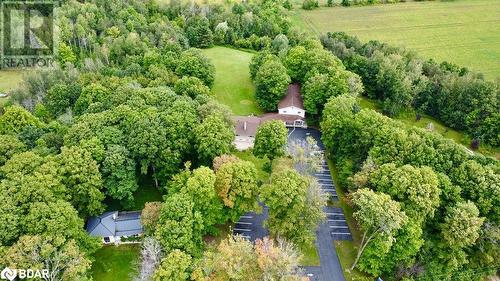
pixel 131 98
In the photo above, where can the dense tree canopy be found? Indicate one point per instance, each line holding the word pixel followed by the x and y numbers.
pixel 270 140
pixel 433 180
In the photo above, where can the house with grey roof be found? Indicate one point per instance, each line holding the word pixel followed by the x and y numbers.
pixel 113 226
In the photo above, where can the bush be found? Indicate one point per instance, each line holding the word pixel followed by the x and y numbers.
pixel 310 4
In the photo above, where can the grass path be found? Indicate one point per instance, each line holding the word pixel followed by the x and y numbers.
pixel 466 32
pixel 233 86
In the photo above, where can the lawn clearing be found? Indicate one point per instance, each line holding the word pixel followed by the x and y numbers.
pixel 465 32
pixel 233 85
pixel 9 79
pixel 310 256
pixel 115 262
pixel 258 162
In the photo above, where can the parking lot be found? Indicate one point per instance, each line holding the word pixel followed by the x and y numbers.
pixel 250 225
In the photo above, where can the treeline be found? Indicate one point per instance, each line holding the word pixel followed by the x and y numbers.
pixel 130 98
pixel 427 209
pixel 321 74
pixel 119 32
pixel 401 81
pixel 312 4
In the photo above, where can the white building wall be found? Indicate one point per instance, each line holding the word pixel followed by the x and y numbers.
pixel 292 110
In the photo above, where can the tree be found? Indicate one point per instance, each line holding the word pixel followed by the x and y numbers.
pixel 151 256
pixel 15 119
pixel 150 216
pixel 9 145
pixel 377 215
pixel 191 87
pixel 198 32
pixel 258 60
pixel 305 154
pixel 462 225
pixel 236 258
pixel 193 63
pixel 200 187
pixel 319 88
pixel 223 159
pixel 176 266
pixel 56 218
pixel 280 44
pixel 118 171
pixel 80 174
pixel 271 82
pixel 415 188
pixel 481 185
pixel 60 256
pixel 60 97
pixel 295 206
pixel 179 226
pixel 213 137
pixel 65 54
pixel 237 187
pixel 270 140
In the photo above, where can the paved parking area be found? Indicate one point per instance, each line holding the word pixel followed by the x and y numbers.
pixel 335 228
pixel 250 225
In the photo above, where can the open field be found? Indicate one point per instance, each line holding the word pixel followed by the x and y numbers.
pixel 233 86
pixel 465 32
pixel 115 263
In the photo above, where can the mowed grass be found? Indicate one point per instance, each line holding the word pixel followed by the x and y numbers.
pixel 465 32
pixel 9 79
pixel 115 263
pixel 233 86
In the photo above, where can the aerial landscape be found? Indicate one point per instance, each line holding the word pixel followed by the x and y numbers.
pixel 250 140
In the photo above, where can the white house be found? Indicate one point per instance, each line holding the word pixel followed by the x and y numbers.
pixel 292 103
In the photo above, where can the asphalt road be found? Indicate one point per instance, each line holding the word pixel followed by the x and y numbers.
pixel 251 227
pixel 330 268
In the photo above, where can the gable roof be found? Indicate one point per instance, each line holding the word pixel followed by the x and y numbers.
pixel 115 224
pixel 292 97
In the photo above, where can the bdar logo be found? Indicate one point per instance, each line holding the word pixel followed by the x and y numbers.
pixel 9 274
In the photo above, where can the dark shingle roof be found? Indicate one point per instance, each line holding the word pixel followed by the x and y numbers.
pixel 292 98
pixel 115 224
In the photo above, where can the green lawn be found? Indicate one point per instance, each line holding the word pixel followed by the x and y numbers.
pixel 310 256
pixel 258 162
pixel 9 79
pixel 115 263
pixel 466 32
pixel 233 85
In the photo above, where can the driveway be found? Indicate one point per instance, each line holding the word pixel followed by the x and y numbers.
pixel 335 228
pixel 251 227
